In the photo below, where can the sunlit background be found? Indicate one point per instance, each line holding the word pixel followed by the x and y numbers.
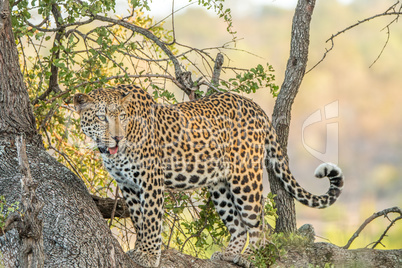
pixel 368 121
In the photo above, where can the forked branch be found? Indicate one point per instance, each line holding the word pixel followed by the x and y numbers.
pixel 393 10
pixel 183 77
pixel 384 213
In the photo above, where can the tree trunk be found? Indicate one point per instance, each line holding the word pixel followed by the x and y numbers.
pixel 15 110
pixel 294 74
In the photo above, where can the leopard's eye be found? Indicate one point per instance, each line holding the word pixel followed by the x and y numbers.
pixel 102 117
pixel 122 116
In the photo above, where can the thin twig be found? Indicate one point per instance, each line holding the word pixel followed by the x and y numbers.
pixel 179 73
pixel 327 50
pixel 174 80
pixel 391 11
pixel 114 206
pixel 162 20
pixel 196 234
pixel 371 218
pixel 388 31
pixel 47 30
pixel 171 230
pixel 383 48
pixel 385 232
pixel 48 116
pixel 68 160
pixel 173 28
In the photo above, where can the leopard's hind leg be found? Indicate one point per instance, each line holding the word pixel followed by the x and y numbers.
pixel 225 206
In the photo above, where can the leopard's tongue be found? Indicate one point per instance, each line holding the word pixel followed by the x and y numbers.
pixel 113 150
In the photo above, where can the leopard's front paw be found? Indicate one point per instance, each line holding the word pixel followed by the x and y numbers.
pixel 217 256
pixel 239 259
pixel 243 261
pixel 144 258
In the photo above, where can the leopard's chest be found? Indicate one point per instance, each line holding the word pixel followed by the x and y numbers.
pixel 125 171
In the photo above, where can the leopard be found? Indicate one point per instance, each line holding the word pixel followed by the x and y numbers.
pixel 221 141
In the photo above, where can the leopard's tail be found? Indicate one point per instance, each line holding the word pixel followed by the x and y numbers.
pixel 280 166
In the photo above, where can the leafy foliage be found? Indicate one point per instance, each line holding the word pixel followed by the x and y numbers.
pixel 268 252
pixel 279 244
pixel 192 224
pixel 252 80
pixel 265 256
pixel 64 50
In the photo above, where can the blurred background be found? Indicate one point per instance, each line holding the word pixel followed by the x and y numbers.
pixel 364 99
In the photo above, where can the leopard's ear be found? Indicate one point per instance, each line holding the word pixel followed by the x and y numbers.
pixel 126 97
pixel 82 102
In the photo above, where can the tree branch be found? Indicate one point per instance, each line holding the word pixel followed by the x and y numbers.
pixel 116 199
pixel 384 213
pixel 184 78
pixel 386 231
pixel 15 109
pixel 391 11
pixel 321 254
pixel 386 13
pixel 53 80
pixel 217 72
pixel 52 30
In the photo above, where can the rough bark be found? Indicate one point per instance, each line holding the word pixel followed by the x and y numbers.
pixel 174 259
pixel 319 254
pixel 217 72
pixel 294 74
pixel 31 251
pixel 15 110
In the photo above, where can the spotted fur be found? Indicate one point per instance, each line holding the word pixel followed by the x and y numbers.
pixel 217 142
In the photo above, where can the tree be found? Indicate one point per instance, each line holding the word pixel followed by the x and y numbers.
pixel 74 232
pixel 295 69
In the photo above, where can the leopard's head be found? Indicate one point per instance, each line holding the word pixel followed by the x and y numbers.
pixel 104 118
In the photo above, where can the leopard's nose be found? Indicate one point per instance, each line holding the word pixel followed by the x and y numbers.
pixel 118 138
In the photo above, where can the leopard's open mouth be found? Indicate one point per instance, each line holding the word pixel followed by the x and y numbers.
pixel 113 150
pixel 108 150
